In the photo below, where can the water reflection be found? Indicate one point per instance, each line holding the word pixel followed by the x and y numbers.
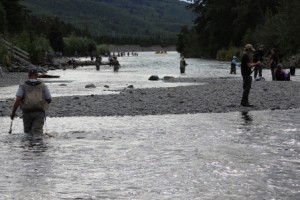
pixel 247 118
pixel 33 144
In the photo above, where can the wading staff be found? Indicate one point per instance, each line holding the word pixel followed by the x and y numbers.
pixel 45 124
pixel 46 133
pixel 10 129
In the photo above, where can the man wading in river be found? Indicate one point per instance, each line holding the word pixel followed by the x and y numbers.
pixel 33 97
pixel 246 65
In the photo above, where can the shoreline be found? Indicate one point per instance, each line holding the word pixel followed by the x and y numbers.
pixel 218 95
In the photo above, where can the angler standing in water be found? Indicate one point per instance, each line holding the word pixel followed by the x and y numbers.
pixel 33 98
pixel 116 64
pixel 98 62
pixel 183 64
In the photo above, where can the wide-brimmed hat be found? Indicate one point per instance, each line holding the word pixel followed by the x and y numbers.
pixel 249 47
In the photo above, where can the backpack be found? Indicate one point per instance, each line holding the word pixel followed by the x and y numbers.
pixel 33 99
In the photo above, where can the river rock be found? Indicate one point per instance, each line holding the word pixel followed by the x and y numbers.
pixel 153 78
pixel 167 78
pixel 130 86
pixel 90 86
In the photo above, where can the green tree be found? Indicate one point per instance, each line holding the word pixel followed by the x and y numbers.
pixel 2 19
pixel 15 15
pixel 282 29
pixel 222 23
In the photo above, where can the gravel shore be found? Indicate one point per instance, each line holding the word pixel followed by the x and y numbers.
pixel 218 95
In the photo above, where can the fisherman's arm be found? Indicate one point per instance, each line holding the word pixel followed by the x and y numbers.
pixel 15 107
pixel 251 64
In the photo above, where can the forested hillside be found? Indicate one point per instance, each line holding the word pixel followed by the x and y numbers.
pixel 118 17
pixel 223 25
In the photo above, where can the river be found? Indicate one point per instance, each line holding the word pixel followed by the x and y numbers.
pixel 248 155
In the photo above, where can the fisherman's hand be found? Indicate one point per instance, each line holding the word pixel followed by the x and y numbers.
pixel 12 115
pixel 258 63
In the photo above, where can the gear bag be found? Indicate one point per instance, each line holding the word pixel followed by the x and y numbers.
pixel 33 100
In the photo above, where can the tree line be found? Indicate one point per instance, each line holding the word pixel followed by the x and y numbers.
pixel 223 25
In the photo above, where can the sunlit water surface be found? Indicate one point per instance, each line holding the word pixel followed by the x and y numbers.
pixel 235 155
pixel 201 156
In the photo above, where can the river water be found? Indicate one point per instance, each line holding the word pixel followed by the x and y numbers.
pixel 238 155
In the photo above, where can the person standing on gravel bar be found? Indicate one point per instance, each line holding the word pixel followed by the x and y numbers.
pixel 246 71
pixel 182 65
pixel 33 98
pixel 273 61
pixel 258 56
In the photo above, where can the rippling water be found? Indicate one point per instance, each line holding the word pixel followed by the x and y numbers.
pixel 248 155
pixel 201 156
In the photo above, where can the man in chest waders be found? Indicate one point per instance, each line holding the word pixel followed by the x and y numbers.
pixel 33 98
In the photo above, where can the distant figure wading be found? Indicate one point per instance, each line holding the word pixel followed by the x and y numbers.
pixel 116 64
pixel 233 65
pixel 183 64
pixel 98 62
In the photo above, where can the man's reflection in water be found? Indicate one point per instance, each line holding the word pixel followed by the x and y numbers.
pixel 34 144
pixel 247 118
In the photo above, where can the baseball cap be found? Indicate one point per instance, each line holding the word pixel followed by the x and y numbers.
pixel 32 71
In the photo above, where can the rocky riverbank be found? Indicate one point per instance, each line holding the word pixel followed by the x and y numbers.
pixel 216 96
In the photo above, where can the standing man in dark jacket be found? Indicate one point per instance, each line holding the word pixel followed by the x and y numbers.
pixel 183 64
pixel 246 66
pixel 33 98
pixel 258 56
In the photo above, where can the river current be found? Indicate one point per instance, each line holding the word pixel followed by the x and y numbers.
pixel 238 155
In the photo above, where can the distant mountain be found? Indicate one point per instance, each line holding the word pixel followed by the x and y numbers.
pixel 118 17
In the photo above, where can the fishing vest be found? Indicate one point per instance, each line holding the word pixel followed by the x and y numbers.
pixel 34 99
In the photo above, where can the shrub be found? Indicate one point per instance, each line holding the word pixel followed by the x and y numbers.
pixel 227 54
pixel 102 49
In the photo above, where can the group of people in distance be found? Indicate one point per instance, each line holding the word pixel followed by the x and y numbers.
pixel 113 61
pixel 254 59
pixel 277 71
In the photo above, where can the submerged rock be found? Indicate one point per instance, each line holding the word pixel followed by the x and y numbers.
pixel 166 78
pixel 90 86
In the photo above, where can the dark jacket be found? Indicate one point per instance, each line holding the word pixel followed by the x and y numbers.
pixel 245 70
